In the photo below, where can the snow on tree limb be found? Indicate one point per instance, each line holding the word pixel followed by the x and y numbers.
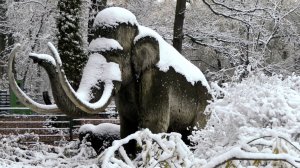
pixel 157 150
pixel 238 154
pixel 168 150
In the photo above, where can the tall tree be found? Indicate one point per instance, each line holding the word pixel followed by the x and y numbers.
pixel 70 41
pixel 70 35
pixel 2 27
pixel 178 24
pixel 5 42
pixel 2 36
pixel 32 24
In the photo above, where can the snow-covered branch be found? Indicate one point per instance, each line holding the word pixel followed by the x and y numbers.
pixel 32 1
pixel 156 150
pixel 244 33
pixel 238 154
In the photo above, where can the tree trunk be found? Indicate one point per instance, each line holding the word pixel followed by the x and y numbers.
pixel 5 37
pixel 178 24
pixel 3 28
pixel 2 37
pixel 70 43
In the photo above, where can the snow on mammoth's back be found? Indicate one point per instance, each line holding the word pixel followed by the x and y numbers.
pixel 170 57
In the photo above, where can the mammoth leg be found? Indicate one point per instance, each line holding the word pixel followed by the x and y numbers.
pixel 152 91
pixel 185 133
pixel 46 98
pixel 155 118
pixel 154 102
pixel 128 114
pixel 128 127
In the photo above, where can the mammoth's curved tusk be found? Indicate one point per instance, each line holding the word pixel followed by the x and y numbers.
pixel 84 105
pixel 34 106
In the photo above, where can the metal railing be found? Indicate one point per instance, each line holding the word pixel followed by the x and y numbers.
pixel 4 101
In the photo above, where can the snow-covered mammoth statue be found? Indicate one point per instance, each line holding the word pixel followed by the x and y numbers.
pixel 154 86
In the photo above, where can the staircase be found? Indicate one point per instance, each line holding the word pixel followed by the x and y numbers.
pixel 50 129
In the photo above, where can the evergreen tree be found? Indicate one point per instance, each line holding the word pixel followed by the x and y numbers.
pixel 5 42
pixel 70 41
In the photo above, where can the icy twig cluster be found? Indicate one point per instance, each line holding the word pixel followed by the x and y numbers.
pixel 157 150
pixel 267 151
pixel 259 106
pixel 14 154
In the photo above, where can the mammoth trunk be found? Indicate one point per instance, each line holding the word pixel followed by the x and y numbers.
pixel 61 95
pixel 96 70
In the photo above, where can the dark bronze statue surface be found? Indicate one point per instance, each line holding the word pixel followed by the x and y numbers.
pixel 146 96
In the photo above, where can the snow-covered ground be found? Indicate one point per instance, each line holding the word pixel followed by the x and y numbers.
pixel 261 112
pixel 15 155
pixel 257 119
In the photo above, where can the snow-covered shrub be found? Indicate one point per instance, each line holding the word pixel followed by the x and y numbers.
pixel 259 106
pixel 72 154
pixel 156 150
pixel 264 151
pixel 100 136
pixel 252 123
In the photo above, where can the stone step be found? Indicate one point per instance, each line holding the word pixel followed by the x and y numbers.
pixel 40 131
pixel 34 124
pixel 50 129
pixel 33 117
pixel 49 139
pixel 82 121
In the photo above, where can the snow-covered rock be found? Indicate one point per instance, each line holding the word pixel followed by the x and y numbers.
pixel 101 136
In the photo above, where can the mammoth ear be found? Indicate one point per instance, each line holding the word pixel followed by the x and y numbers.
pixel 145 54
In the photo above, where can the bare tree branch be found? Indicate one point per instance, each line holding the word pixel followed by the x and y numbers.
pixel 238 154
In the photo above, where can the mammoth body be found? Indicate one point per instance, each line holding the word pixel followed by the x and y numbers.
pixel 162 102
pixel 153 93
pixel 154 86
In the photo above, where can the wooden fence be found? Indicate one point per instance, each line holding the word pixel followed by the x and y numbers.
pixel 50 129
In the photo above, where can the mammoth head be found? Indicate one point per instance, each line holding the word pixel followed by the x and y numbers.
pixel 98 75
pixel 116 58
pixel 118 24
pixel 110 66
